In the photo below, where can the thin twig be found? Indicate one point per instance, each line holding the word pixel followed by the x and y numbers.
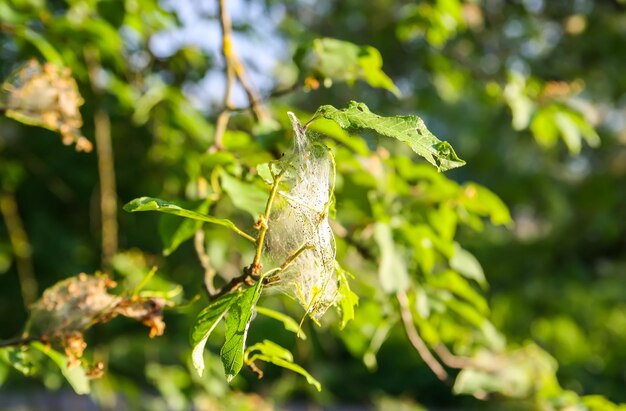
pixel 108 191
pixel 203 257
pixel 200 245
pixel 17 342
pixel 255 101
pixel 234 68
pixel 272 94
pixel 106 166
pixel 251 273
pixel 416 340
pixel 255 267
pixel 21 247
pixel 288 261
pixel 224 116
pixel 232 285
pixel 451 360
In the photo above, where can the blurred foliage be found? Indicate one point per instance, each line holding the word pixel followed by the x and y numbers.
pixel 525 242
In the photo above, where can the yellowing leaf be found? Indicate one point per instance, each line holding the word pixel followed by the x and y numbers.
pixel 347 299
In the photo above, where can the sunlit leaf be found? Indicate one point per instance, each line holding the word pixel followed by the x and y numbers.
pixel 347 299
pixel 74 374
pixel 205 324
pixel 175 231
pixel 237 323
pixel 449 280
pixel 155 204
pixel 553 120
pixel 271 352
pixel 515 374
pixel 332 59
pixel 408 129
pixel 392 272
pixel 485 203
pixel 263 170
pixel 289 323
pixel 245 196
pixel 465 263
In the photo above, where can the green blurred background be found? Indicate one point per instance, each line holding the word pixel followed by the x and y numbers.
pixel 517 87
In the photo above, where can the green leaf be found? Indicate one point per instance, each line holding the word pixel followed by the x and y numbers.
pixel 245 196
pixel 75 375
pixel 574 128
pixel 467 265
pixel 338 60
pixel 408 129
pixel 271 352
pixel 452 281
pixel 237 323
pixel 175 231
pixel 155 204
pixel 270 349
pixel 347 298
pixel 20 359
pixel 263 170
pixel 392 272
pixel 45 48
pixel 289 323
pixel 554 119
pixel 334 131
pixel 205 324
pixel 484 202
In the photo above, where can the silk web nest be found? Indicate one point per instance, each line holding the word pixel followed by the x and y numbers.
pixel 299 221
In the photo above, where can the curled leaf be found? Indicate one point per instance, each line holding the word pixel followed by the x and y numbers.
pixel 408 129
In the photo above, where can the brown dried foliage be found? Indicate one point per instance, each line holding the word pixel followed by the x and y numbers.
pixel 46 96
pixel 70 307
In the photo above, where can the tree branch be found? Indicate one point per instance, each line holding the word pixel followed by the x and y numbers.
pixel 415 339
pixel 17 342
pixel 21 247
pixel 224 116
pixel 234 69
pixel 255 267
pixel 200 247
pixel 106 167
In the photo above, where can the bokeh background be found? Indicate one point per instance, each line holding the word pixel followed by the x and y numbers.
pixel 531 93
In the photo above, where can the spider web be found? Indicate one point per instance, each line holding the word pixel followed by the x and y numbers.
pixel 299 219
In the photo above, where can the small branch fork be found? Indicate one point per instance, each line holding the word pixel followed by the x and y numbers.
pixel 252 273
pixel 234 70
pixel 416 340
pixel 449 359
